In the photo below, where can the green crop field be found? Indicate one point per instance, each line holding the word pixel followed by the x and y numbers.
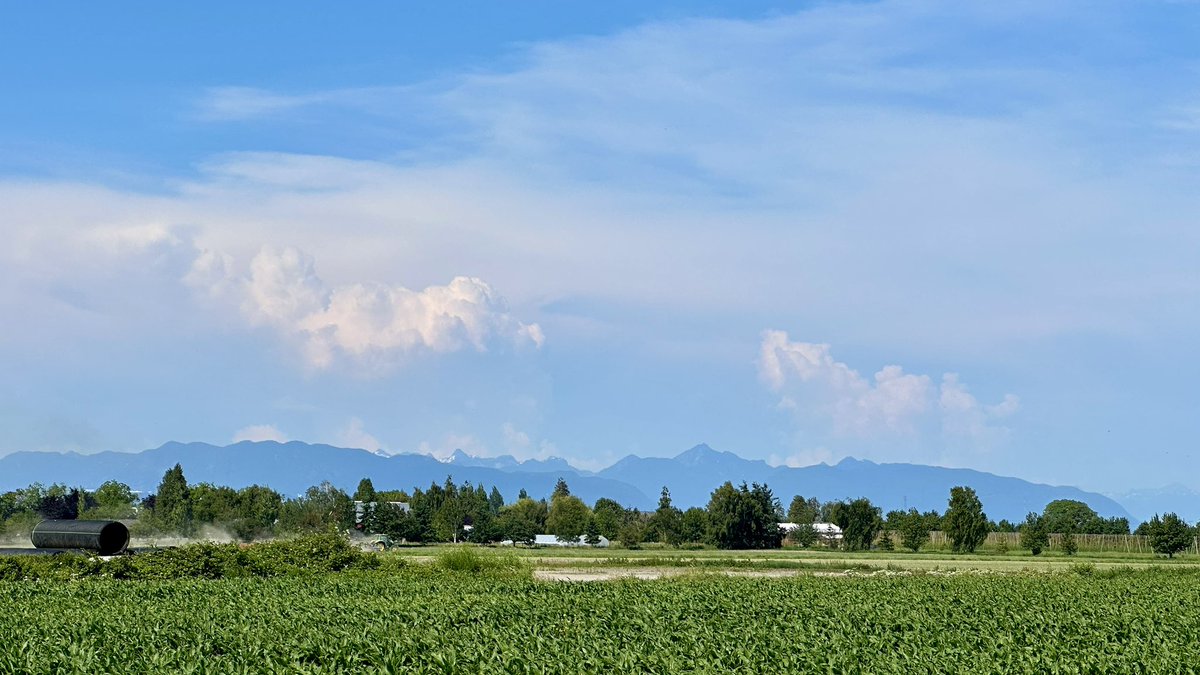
pixel 419 618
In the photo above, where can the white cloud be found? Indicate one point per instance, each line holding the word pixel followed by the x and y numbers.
pixel 515 440
pixel 369 323
pixel 260 432
pixel 820 390
pixel 965 419
pixel 854 404
pixel 354 436
pixel 227 104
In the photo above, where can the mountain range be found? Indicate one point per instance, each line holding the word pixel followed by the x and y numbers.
pixel 633 481
pixel 1178 499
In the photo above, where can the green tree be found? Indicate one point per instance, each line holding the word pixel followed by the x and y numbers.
pixel 451 515
pixel 665 521
pixel 693 525
pixel 914 530
pixel 1069 545
pixel 591 534
pixel 885 541
pixel 114 500
pixel 609 516
pixel 1068 515
pixel 365 492
pixel 560 490
pixel 744 517
pixel 495 501
pixel 1169 534
pixel 522 520
pixel 321 508
pixel 804 535
pixel 860 522
pixel 1033 533
pixel 803 510
pixel 172 503
pixel 965 522
pixel 62 503
pixel 632 534
pixel 212 504
pixel 568 518
pixel 257 509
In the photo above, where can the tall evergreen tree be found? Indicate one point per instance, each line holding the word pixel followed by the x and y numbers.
pixel 172 504
pixel 365 492
pixel 665 523
pixel 495 501
pixel 560 490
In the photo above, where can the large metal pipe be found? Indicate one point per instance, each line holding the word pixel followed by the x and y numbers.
pixel 106 537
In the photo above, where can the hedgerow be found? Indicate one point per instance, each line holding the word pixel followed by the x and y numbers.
pixel 308 555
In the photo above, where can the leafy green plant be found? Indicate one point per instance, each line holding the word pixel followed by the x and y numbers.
pixel 473 560
pixel 427 620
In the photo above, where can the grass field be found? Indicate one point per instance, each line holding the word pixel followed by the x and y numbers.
pixel 817 559
pixel 424 619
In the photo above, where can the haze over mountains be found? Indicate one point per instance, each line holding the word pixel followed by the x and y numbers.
pixel 634 481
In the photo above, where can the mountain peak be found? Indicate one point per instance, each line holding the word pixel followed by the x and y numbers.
pixel 851 462
pixel 697 452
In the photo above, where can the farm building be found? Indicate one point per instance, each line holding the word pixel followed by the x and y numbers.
pixel 823 530
pixel 551 540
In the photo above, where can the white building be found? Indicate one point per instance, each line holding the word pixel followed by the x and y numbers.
pixel 823 530
pixel 551 540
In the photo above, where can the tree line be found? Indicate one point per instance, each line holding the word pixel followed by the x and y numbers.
pixel 736 517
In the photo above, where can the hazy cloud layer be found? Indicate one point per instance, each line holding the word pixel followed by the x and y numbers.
pixel 260 432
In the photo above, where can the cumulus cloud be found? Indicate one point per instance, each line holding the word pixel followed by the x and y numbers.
pixel 854 404
pixel 515 440
pixel 367 322
pixel 965 418
pixel 355 436
pixel 260 432
pixel 818 388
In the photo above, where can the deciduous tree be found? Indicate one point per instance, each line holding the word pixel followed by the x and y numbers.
pixel 914 530
pixel 744 517
pixel 1169 534
pixel 1033 534
pixel 860 522
pixel 965 522
pixel 568 518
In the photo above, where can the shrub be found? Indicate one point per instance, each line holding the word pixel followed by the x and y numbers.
pixel 474 561
pixel 313 554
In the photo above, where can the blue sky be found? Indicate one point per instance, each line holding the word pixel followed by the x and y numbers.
pixel 960 235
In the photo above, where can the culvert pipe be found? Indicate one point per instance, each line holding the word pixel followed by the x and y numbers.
pixel 105 537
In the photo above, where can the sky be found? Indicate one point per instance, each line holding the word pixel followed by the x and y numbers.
pixel 963 234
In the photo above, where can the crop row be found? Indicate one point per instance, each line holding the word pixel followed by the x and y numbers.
pixel 435 621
